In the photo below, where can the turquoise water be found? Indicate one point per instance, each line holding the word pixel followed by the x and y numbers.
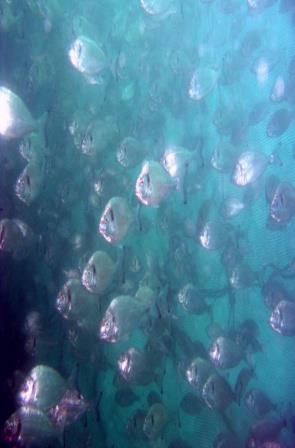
pixel 147 207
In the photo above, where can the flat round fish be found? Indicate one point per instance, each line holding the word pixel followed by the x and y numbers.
pixel 15 119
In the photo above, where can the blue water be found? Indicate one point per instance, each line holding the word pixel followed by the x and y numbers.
pixel 133 78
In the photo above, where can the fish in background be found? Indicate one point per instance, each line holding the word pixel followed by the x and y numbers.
pixel 281 204
pixel 192 300
pixel 250 165
pixel 16 237
pixel 135 367
pixel 202 83
pixel 160 9
pixel 88 58
pixel 155 421
pixel 279 123
pixel 258 403
pixel 130 152
pixel 177 161
pixel 78 305
pixel 243 379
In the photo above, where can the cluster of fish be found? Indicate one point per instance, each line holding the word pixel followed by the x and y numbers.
pixel 157 188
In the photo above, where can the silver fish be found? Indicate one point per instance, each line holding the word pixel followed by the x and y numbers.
pixel 258 403
pixel 279 123
pixel 42 388
pixel 225 353
pixel 15 119
pixel 135 368
pixel 282 318
pixel 176 161
pixel 282 205
pixel 123 315
pixel 202 83
pixel 153 184
pixel 88 58
pixel 192 300
pixel 217 393
pixel 158 8
pixel 130 152
pixel 16 237
pixel 115 220
pixel 30 427
pixel 76 304
pixel 155 421
pixel 98 272
pixel 69 409
pixel 29 183
pixel 249 167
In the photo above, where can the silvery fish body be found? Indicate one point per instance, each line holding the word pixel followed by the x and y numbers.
pixel 130 152
pixel 258 403
pixel 217 393
pixel 198 372
pixel 16 237
pixel 123 315
pixel 88 58
pixel 135 368
pixel 69 409
pixel 98 273
pixel 15 119
pixel 30 427
pixel 176 160
pixel 32 147
pixel 115 220
pixel 231 207
pixel 282 204
pixel 42 388
pixel 225 353
pixel 158 8
pixel 249 167
pixel 76 304
pixel 202 83
pixel 153 184
pixel 155 421
pixel 192 300
pixel 29 183
pixel 282 318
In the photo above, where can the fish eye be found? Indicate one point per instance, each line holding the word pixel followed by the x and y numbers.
pixel 93 269
pixel 148 179
pixel 28 180
pixel 152 420
pixel 112 214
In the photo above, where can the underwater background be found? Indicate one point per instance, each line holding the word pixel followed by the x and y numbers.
pixel 147 230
